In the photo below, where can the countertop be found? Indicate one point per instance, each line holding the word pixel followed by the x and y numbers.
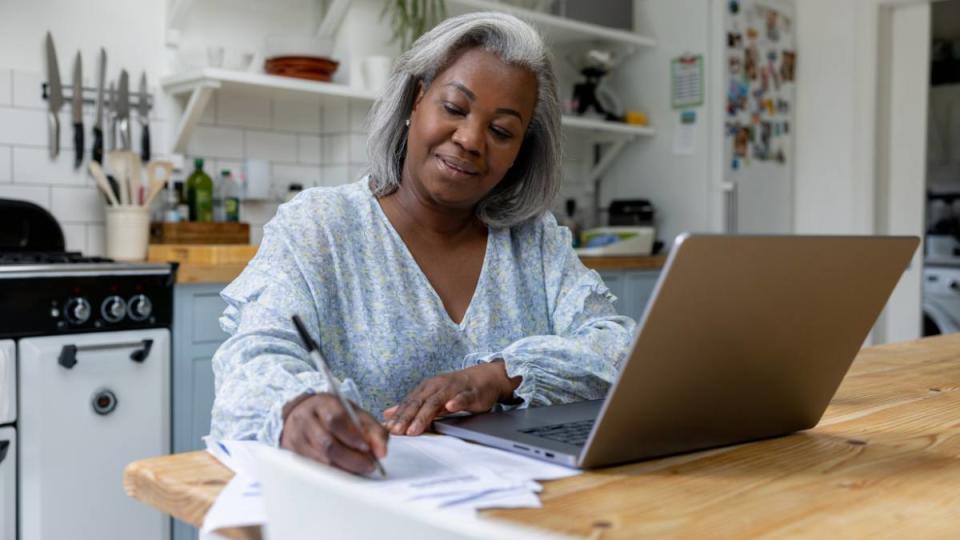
pixel 223 263
pixel 883 462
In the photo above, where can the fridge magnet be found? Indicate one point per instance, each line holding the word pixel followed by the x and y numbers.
pixel 775 75
pixel 741 141
pixel 734 7
pixel 783 106
pixel 786 128
pixel 750 62
pixel 735 164
pixel 768 104
pixel 734 40
pixel 781 157
pixel 735 67
pixel 752 33
pixel 773 30
pixel 764 78
pixel 787 65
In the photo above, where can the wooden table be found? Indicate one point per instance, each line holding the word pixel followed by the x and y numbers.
pixel 883 463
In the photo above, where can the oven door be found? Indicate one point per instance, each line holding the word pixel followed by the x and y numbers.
pixel 8 483
pixel 89 405
pixel 8 382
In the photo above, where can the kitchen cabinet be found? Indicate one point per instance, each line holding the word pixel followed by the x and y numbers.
pixel 196 337
pixel 632 288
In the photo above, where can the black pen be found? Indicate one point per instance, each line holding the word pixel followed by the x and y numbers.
pixel 319 361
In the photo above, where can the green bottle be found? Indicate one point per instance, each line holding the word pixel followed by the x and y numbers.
pixel 200 193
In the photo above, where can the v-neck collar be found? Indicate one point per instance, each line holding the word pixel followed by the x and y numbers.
pixel 423 276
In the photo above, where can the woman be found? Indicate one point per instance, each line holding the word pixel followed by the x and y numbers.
pixel 439 283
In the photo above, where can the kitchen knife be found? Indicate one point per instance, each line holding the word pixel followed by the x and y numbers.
pixel 143 115
pixel 76 107
pixel 54 97
pixel 112 115
pixel 97 154
pixel 123 110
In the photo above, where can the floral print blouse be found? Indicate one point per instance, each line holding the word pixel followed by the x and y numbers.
pixel 332 256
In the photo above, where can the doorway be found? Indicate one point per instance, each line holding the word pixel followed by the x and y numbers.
pixel 941 273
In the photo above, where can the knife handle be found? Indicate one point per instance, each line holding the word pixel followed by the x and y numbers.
pixel 54 134
pixel 77 144
pixel 98 145
pixel 145 143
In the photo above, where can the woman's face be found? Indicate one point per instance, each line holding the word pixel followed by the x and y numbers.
pixel 467 128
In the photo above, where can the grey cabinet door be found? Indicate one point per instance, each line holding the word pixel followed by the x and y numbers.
pixel 639 288
pixel 614 280
pixel 196 337
pixel 632 289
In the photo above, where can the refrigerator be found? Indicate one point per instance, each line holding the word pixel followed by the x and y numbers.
pixel 755 118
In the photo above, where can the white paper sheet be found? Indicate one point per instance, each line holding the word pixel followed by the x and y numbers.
pixel 436 471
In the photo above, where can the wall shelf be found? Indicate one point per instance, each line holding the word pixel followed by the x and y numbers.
pixel 199 85
pixel 556 30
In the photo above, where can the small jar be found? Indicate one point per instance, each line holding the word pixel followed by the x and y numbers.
pixel 292 191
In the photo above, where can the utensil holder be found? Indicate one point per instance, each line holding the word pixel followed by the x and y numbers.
pixel 128 232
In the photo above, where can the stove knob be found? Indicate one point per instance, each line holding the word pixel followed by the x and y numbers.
pixel 140 307
pixel 113 309
pixel 78 310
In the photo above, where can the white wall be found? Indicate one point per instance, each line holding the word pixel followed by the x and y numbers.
pixel 678 186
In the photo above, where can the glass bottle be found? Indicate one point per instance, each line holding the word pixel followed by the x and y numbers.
pixel 200 193
pixel 232 194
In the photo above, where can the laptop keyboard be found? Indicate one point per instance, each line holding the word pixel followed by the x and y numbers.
pixel 574 433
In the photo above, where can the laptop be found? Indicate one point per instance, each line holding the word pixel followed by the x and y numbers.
pixel 744 338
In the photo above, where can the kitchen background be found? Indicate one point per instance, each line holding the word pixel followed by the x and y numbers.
pixel 842 135
pixel 831 186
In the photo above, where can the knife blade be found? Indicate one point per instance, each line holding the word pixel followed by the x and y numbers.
pixel 76 107
pixel 112 115
pixel 143 115
pixel 123 109
pixel 55 97
pixel 97 153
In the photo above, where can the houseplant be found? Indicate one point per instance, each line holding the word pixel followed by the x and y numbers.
pixel 410 19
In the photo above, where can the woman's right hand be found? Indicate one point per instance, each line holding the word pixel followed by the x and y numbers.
pixel 318 427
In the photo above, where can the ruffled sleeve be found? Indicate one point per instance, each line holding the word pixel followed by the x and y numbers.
pixel 589 341
pixel 263 364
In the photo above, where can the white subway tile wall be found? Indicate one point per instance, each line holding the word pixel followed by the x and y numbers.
pixel 306 142
pixel 6 164
pixel 295 115
pixel 295 135
pixel 271 145
pixel 309 148
pixel 244 110
pixel 6 87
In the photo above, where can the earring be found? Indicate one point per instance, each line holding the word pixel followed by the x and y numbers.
pixel 406 122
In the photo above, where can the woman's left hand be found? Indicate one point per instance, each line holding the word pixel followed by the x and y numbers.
pixel 474 389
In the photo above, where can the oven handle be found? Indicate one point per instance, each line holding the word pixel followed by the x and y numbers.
pixel 4 446
pixel 68 354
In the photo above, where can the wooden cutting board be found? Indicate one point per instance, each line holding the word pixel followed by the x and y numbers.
pixel 199 233
pixel 204 263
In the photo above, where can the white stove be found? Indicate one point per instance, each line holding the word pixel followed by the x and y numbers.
pixel 84 389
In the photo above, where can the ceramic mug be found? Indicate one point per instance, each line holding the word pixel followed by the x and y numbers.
pixel 128 232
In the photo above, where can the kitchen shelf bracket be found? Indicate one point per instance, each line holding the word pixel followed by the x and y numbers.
pixel 615 147
pixel 178 10
pixel 336 9
pixel 199 97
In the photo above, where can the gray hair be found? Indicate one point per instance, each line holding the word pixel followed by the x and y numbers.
pixel 529 187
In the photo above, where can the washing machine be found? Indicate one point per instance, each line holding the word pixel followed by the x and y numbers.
pixel 941 299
